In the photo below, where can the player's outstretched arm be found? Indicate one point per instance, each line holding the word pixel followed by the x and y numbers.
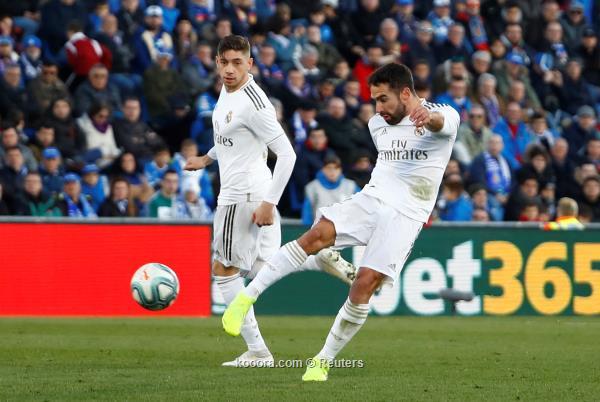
pixel 198 162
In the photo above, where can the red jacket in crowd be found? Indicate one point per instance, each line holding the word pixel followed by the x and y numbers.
pixel 84 52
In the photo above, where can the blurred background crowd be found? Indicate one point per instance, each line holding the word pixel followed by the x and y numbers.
pixel 102 101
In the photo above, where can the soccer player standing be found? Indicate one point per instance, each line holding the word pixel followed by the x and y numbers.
pixel 246 223
pixel 414 139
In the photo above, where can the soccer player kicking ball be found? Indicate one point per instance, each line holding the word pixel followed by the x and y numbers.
pixel 246 224
pixel 414 139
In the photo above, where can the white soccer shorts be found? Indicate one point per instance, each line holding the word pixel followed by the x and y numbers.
pixel 362 220
pixel 238 242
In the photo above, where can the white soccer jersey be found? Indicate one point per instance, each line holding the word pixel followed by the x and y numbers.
pixel 244 123
pixel 410 164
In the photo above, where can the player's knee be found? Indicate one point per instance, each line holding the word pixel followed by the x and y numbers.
pixel 366 283
pixel 219 269
pixel 318 237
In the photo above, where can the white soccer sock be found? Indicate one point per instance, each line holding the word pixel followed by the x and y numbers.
pixel 349 320
pixel 284 262
pixel 310 265
pixel 230 286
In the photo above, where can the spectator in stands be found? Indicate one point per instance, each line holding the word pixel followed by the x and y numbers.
pixel 51 171
pixel 71 202
pixel 492 169
pixel 514 132
pixel 513 40
pixel 132 134
pixel 185 39
pixel 537 163
pixel 564 169
pixel 303 120
pixel 329 187
pixel 69 139
pixel 99 136
pixel 269 70
pixel 489 99
pixel 201 14
pixel 311 156
pixel 84 53
pixel 365 66
pixel 47 87
pixel 481 62
pixel 421 47
pixel 165 204
pixel 573 23
pixel 202 128
pixel 525 195
pixel 12 176
pixel 574 91
pixel 126 166
pixel 456 96
pixel 589 51
pixel 194 206
pixel 56 16
pixel 554 54
pixel 308 63
pixel 198 71
pixel 94 185
pixel 96 89
pixel 538 128
pixel 130 19
pixel 388 40
pixel 453 68
pixel 473 24
pixel 328 54
pixel 590 196
pixel 367 19
pixel 10 139
pixel 341 134
pixel 454 46
pixel 406 20
pixel 361 168
pixel 473 136
pixel 440 20
pixel 200 178
pixel 551 12
pixel 8 55
pixel 114 40
pixel 153 40
pixel 44 138
pixel 170 14
pixel 481 200
pixel 513 69
pixel 13 97
pixel 34 201
pixel 583 127
pixel 160 84
pixel 453 203
pixel 591 152
pixel 161 162
pixel 120 202
pixel 31 58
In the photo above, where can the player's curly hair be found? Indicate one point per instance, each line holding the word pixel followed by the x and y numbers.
pixel 234 42
pixel 396 75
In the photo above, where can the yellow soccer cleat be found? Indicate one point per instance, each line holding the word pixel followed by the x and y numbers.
pixel 234 315
pixel 317 370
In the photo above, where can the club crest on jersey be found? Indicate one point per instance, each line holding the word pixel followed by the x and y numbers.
pixel 228 117
pixel 419 131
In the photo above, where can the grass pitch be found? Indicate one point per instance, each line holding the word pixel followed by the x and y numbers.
pixel 441 358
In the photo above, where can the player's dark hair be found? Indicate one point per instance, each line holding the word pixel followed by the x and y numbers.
pixel 234 42
pixel 396 75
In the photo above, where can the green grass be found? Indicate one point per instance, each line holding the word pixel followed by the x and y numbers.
pixel 414 359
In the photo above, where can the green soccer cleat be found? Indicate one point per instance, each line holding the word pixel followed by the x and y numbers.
pixel 234 315
pixel 317 370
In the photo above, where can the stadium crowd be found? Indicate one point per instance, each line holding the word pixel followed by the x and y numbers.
pixel 102 102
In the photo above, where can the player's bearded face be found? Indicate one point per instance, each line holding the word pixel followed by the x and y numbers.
pixel 390 104
pixel 233 67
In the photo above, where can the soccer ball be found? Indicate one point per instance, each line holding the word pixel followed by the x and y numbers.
pixel 154 286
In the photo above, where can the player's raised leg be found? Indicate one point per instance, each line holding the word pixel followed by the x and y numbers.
pixel 348 321
pixel 230 283
pixel 285 261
